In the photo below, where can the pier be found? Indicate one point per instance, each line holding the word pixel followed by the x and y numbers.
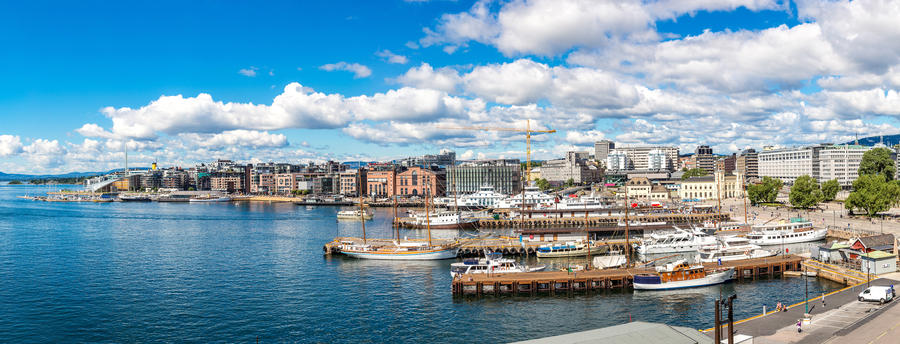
pixel 533 283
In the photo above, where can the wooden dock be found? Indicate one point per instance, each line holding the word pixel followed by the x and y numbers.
pixel 532 283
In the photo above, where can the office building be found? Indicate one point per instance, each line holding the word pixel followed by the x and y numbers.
pixel 505 175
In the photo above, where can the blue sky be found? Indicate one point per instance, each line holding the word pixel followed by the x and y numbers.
pixel 755 72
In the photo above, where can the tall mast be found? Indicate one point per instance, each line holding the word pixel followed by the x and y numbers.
pixel 627 239
pixel 394 191
pixel 362 214
pixel 428 215
pixel 522 215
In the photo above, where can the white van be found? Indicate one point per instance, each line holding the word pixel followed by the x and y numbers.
pixel 880 294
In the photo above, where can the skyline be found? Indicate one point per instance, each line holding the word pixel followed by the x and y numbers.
pixel 184 83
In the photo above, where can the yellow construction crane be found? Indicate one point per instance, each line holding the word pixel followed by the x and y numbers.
pixel 527 132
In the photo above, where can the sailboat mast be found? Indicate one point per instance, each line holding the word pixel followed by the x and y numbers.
pixel 362 215
pixel 627 238
pixel 428 217
pixel 395 222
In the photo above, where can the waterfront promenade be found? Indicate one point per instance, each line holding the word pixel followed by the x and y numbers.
pixel 834 321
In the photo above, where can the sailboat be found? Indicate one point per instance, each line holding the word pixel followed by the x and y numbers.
pixel 400 250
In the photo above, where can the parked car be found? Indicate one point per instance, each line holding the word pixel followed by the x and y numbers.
pixel 877 293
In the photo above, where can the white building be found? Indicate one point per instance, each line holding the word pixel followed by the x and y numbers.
pixel 710 187
pixel 639 156
pixel 656 160
pixel 841 163
pixel 617 161
pixel 787 164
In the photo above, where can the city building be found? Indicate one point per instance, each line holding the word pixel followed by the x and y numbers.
pixel 841 162
pixel 710 187
pixel 656 160
pixel 617 161
pixel 505 175
pixel 787 164
pixel 445 158
pixel 638 157
pixel 227 182
pixel 420 181
pixel 574 166
pixel 641 188
pixel 727 163
pixel 380 180
pixel 747 164
pixel 704 159
pixel 602 148
pixel 351 180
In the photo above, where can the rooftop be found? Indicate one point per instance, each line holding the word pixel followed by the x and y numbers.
pixel 637 332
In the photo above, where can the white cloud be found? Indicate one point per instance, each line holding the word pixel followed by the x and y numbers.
pixel 238 138
pixel 44 153
pixel 358 70
pixel 250 72
pixel 584 137
pixel 390 57
pixel 10 145
pixel 445 79
pixel 520 82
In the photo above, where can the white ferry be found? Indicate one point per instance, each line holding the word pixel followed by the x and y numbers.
pixel 732 248
pixel 444 219
pixel 677 241
pixel 493 263
pixel 679 274
pixel 486 197
pixel 796 231
pixel 533 198
pixel 354 215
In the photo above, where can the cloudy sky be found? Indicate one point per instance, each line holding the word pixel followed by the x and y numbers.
pixel 183 82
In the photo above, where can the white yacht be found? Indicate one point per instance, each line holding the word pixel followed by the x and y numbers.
pixel 492 263
pixel 486 197
pixel 798 230
pixel 679 275
pixel 732 248
pixel 677 241
pixel 533 197
pixel 355 214
pixel 444 219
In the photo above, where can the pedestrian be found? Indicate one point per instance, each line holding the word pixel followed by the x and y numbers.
pixel 823 300
pixel 799 324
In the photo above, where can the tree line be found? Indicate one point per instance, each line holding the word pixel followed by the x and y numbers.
pixel 874 191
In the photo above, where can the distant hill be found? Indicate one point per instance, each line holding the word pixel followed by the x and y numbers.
pixel 889 140
pixel 8 176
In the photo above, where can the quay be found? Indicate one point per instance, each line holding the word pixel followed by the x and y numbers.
pixel 840 319
pixel 594 223
pixel 533 283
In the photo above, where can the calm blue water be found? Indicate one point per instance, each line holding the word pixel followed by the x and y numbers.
pixel 173 272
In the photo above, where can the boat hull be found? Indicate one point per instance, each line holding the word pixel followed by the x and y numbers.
pixel 464 225
pixel 575 253
pixel 449 253
pixel 818 234
pixel 711 279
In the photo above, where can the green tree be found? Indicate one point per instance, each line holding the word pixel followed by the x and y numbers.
pixel 805 193
pixel 830 189
pixel 570 182
pixel 694 172
pixel 872 193
pixel 15 182
pixel 542 183
pixel 764 192
pixel 878 161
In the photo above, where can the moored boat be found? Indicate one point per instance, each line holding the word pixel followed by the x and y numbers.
pixel 355 214
pixel 679 274
pixel 569 249
pixel 492 263
pixel 796 231
pixel 732 248
pixel 401 251
pixel 211 199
